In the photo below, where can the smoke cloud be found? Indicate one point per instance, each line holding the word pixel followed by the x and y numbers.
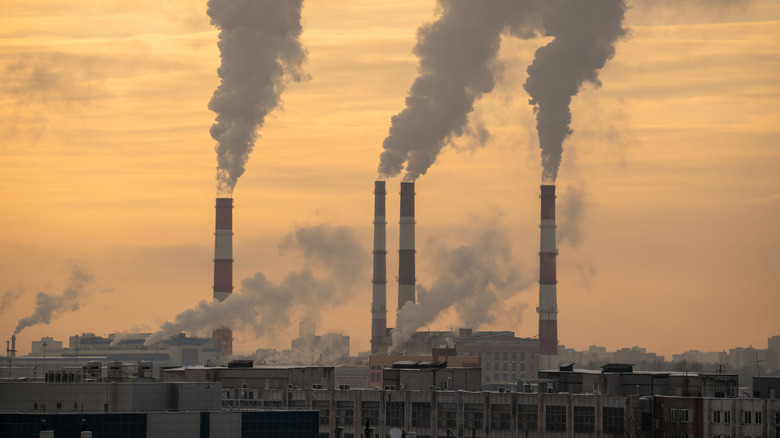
pixel 457 53
pixel 8 298
pixel 261 53
pixel 474 279
pixel 333 261
pixel 585 32
pixel 81 285
pixel 572 211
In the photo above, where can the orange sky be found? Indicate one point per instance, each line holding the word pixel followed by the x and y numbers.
pixel 106 159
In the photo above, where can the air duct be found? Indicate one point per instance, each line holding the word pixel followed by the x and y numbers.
pixel 379 339
pixel 223 268
pixel 548 307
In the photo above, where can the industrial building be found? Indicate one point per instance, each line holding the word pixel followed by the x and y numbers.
pixel 504 356
pixel 621 379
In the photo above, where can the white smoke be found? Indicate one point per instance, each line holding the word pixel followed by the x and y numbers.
pixel 474 280
pixel 260 50
pixel 332 261
pixel 585 32
pixel 456 54
pixel 81 284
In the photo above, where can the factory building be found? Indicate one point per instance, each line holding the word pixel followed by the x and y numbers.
pixel 621 379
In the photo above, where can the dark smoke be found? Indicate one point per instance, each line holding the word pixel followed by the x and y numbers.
pixel 474 279
pixel 333 261
pixel 8 298
pixel 585 32
pixel 260 50
pixel 47 307
pixel 456 54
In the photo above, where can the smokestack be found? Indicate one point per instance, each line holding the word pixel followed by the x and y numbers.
pixel 379 342
pixel 13 345
pixel 223 268
pixel 406 279
pixel 548 307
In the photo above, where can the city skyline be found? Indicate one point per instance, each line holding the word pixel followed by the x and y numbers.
pixel 668 192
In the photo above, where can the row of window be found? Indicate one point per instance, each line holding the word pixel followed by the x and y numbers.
pixel 724 417
pixel 474 416
pixel 496 356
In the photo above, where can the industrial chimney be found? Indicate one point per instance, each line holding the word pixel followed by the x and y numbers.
pixel 379 339
pixel 548 307
pixel 223 268
pixel 406 279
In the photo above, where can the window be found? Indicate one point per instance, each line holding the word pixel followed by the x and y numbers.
pixel 370 410
pixel 757 417
pixel 495 355
pixel 522 356
pixel 506 366
pixel 527 417
pixel 473 415
pixel 613 420
pixel 584 419
pixel 495 367
pixel 716 416
pixel 395 414
pixel 674 414
pixel 506 355
pixel 345 413
pixel 324 407
pixel 555 419
pixel 514 366
pixel 685 415
pixel 421 415
pixel 448 415
pixel 500 417
pixel 726 417
pixel 747 417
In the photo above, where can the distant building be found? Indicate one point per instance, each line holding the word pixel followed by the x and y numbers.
pixel 243 375
pixel 377 364
pixel 621 379
pixel 423 376
pixel 328 349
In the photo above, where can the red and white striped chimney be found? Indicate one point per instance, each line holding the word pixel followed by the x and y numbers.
pixel 406 278
pixel 379 339
pixel 223 268
pixel 548 307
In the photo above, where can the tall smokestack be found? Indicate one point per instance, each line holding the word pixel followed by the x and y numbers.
pixel 548 307
pixel 13 345
pixel 379 304
pixel 223 268
pixel 406 279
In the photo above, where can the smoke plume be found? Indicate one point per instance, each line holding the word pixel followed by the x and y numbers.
pixel 585 32
pixel 571 214
pixel 457 53
pixel 81 285
pixel 8 298
pixel 474 279
pixel 260 52
pixel 333 261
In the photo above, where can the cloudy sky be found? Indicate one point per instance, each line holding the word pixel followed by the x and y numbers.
pixel 669 188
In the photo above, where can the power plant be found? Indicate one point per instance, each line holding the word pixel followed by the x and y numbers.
pixel 406 265
pixel 223 268
pixel 379 335
pixel 548 307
